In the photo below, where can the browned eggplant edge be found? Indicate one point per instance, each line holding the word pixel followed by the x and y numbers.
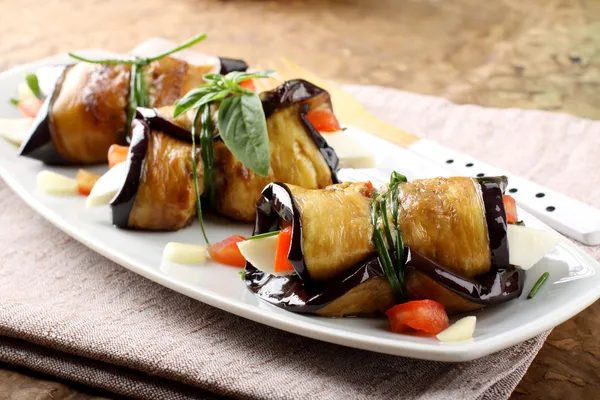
pixel 297 91
pixel 39 144
pixel 146 120
pixel 298 293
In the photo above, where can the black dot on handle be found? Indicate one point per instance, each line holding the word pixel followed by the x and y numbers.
pixel 550 208
pixel 469 164
pixel 480 175
pixel 513 190
pixel 449 161
pixel 540 195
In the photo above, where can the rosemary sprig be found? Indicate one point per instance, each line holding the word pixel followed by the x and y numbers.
pixel 538 285
pixel 384 255
pixel 393 266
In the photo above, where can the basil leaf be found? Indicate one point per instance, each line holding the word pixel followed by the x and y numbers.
pixel 14 102
pixel 237 76
pixel 32 82
pixel 187 102
pixel 243 127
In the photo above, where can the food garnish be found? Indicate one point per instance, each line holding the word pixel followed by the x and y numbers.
pixel 117 154
pixel 30 107
pixel 184 253
pixel 284 241
pixel 34 85
pixel 138 93
pixel 227 252
pixel 393 263
pixel 15 130
pixel 538 285
pixel 54 183
pixel 510 206
pixel 242 126
pixel 107 186
pixel 462 329
pixel 323 121
pixel 420 315
pixel 86 181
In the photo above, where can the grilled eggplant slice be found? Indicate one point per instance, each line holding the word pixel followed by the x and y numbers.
pixel 454 256
pixel 298 155
pixel 158 192
pixel 85 109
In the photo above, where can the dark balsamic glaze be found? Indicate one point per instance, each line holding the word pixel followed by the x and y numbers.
pixel 39 144
pixel 122 204
pixel 297 293
pixel 301 91
pixel 231 64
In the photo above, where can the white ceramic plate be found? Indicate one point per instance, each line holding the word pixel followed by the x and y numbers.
pixel 574 281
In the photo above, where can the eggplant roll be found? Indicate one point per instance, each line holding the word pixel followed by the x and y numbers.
pixel 299 155
pixel 454 230
pixel 159 192
pixel 85 110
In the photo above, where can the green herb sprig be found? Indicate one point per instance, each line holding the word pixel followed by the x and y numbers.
pixel 242 125
pixel 34 85
pixel 138 93
pixel 393 263
pixel 538 285
pixel 241 121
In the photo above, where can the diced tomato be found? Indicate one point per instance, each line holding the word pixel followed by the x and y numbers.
pixel 30 107
pixel 421 315
pixel 86 181
pixel 248 84
pixel 227 251
pixel 284 241
pixel 510 207
pixel 323 121
pixel 117 154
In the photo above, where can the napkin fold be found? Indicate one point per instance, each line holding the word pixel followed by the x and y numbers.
pixel 69 312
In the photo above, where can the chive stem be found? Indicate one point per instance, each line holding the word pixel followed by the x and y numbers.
pixel 208 155
pixel 188 43
pixel 538 285
pixel 104 62
pixel 263 235
pixel 195 175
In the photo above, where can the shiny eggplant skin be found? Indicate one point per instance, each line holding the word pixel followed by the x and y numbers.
pixel 158 193
pixel 231 64
pixel 39 143
pixel 93 99
pixel 344 293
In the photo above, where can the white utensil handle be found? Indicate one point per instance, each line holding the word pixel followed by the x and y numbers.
pixel 568 216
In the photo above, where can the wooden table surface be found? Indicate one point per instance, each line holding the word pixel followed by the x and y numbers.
pixel 542 54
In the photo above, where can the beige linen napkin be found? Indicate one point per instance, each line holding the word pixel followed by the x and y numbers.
pixel 69 312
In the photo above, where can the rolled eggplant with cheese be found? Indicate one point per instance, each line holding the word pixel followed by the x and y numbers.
pixel 456 247
pixel 157 176
pixel 85 106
